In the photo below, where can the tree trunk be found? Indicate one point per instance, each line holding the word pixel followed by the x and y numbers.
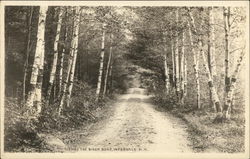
pixel 110 86
pixel 177 73
pixel 28 49
pixel 229 97
pixel 191 26
pixel 55 58
pixel 196 71
pixel 166 72
pixel 60 82
pixel 75 51
pixel 226 27
pixel 173 62
pixel 34 95
pixel 99 83
pixel 211 45
pixel 185 76
pixel 70 61
pixel 108 67
pixel 211 49
pixel 215 98
pixel 182 74
pixel 38 95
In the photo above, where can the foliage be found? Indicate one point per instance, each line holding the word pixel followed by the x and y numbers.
pixel 20 133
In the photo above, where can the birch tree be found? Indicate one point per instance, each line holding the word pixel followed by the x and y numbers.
pixel 226 27
pixel 211 41
pixel 211 49
pixel 230 93
pixel 72 56
pixel 196 59
pixel 166 70
pixel 176 50
pixel 182 67
pixel 110 77
pixel 38 94
pixel 75 49
pixel 108 66
pixel 34 94
pixel 99 82
pixel 55 56
pixel 173 62
pixel 215 98
pixel 185 76
pixel 60 72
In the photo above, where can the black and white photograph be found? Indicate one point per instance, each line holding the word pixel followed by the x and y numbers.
pixel 135 79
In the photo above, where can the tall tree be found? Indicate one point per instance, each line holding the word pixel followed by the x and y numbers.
pixel 34 94
pixel 230 93
pixel 70 60
pixel 211 41
pixel 166 69
pixel 182 67
pixel 185 76
pixel 28 49
pixel 38 94
pixel 110 76
pixel 226 27
pixel 60 72
pixel 211 49
pixel 191 27
pixel 99 82
pixel 55 55
pixel 75 50
pixel 215 98
pixel 176 50
pixel 108 65
pixel 173 62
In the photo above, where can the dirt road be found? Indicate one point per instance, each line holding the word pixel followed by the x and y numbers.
pixel 136 126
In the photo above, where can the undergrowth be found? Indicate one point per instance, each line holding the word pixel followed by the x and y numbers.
pixel 204 134
pixel 22 135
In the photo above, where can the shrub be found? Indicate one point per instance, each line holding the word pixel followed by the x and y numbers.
pixel 19 131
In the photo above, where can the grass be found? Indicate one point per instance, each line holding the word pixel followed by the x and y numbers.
pixel 207 136
pixel 46 133
pixel 204 134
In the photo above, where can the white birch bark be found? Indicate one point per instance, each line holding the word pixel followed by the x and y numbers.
pixel 195 66
pixel 66 80
pixel 192 28
pixel 215 98
pixel 173 62
pixel 38 94
pixel 182 65
pixel 166 71
pixel 75 51
pixel 176 50
pixel 108 67
pixel 211 42
pixel 185 76
pixel 55 58
pixel 34 94
pixel 99 82
pixel 226 27
pixel 230 94
pixel 60 82
pixel 110 85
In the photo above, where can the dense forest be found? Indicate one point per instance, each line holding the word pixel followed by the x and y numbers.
pixel 64 64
